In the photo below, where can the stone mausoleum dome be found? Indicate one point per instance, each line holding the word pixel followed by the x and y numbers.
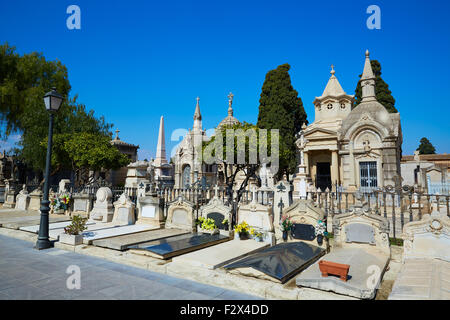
pixel 229 120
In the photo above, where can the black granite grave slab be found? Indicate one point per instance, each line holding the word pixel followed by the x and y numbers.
pixel 178 245
pixel 282 261
pixel 303 231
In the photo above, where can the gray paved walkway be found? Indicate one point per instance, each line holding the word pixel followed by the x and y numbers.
pixel 26 273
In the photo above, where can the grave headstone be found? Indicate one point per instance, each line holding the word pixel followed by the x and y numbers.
pixel 180 215
pixel 10 195
pixel 428 238
pixel 103 209
pixel 82 203
pixel 124 210
pixel 258 217
pixel 22 199
pixel 361 227
pixel 150 210
pixel 426 260
pixel 218 211
pixel 305 216
pixel 35 199
pixel 282 195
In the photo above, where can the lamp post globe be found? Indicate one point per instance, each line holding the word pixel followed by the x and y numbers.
pixel 52 101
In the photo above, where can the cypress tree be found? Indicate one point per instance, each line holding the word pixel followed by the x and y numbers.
pixel 426 147
pixel 383 94
pixel 281 108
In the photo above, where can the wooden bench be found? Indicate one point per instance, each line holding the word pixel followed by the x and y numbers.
pixel 337 269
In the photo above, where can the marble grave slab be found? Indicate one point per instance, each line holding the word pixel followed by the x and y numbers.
pixel 124 241
pixel 178 245
pixel 220 254
pixel 280 262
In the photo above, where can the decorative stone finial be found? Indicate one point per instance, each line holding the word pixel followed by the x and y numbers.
pixel 230 103
pixel 367 53
pixel 117 134
pixel 332 70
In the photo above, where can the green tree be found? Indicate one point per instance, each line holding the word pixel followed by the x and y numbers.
pixel 382 92
pixel 426 147
pixel 244 143
pixel 83 152
pixel 23 82
pixel 281 108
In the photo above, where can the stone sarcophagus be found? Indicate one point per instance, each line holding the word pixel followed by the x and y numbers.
pixel 35 199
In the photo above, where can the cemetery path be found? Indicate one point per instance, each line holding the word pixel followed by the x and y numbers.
pixel 29 274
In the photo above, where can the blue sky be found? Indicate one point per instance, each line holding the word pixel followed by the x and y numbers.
pixel 133 61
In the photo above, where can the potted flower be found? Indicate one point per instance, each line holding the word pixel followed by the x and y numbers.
pixel 225 223
pixel 320 230
pixel 55 204
pixel 258 236
pixel 73 233
pixel 242 230
pixel 208 225
pixel 286 225
pixel 64 201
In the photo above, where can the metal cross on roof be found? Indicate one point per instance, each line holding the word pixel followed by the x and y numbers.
pixel 281 188
pixel 230 98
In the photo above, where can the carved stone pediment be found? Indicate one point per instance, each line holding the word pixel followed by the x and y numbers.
pixel 180 214
pixel 304 212
pixel 428 238
pixel 321 133
pixel 215 205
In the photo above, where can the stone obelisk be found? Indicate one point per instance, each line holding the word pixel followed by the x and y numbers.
pixel 161 147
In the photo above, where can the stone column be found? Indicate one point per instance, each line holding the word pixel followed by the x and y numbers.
pixel 334 168
pixel 352 185
pixel 306 159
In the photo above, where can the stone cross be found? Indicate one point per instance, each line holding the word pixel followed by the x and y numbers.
pixel 230 99
pixel 281 206
pixel 117 134
pixel 216 191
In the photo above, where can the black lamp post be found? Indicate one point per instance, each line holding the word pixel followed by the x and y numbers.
pixel 52 102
